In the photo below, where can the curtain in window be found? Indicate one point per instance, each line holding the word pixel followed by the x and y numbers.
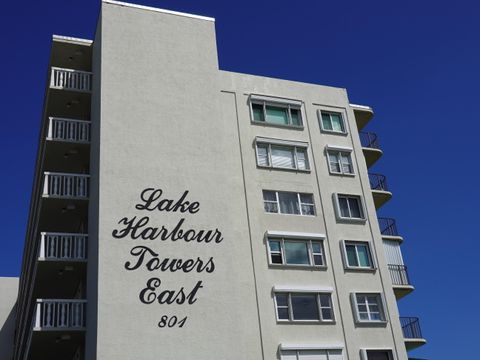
pixel 337 123
pixel 262 155
pixel 282 157
pixel 277 115
pixel 334 162
pixel 296 253
pixel 346 163
pixel 302 159
pixel 288 203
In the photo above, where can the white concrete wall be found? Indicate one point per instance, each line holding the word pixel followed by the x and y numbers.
pixel 8 299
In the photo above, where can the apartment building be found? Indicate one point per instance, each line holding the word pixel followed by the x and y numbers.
pixel 184 212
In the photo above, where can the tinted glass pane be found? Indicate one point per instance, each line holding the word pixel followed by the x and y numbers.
pixel 355 207
pixel 277 115
pixel 337 123
pixel 277 258
pixel 304 307
pixel 378 355
pixel 363 255
pixel 283 157
pixel 269 195
pixel 327 314
pixel 257 110
pixel 351 255
pixel 318 259
pixel 274 245
pixel 270 207
pixel 283 313
pixel 317 247
pixel 308 210
pixel 342 202
pixel 306 198
pixel 296 253
pixel 334 162
pixel 325 300
pixel 296 119
pixel 326 123
pixel 281 299
pixel 288 203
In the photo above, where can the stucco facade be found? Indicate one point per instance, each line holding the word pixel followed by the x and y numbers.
pixel 174 210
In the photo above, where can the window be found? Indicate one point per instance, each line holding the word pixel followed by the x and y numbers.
pixel 349 207
pixel 304 306
pixel 276 114
pixel 340 162
pixel 282 156
pixel 378 355
pixel 284 251
pixel 320 354
pixel 358 255
pixel 332 122
pixel 369 307
pixel 283 202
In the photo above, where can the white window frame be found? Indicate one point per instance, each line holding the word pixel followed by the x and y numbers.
pixel 286 144
pixel 280 103
pixel 381 306
pixel 300 349
pixel 339 151
pixel 290 307
pixel 310 252
pixel 373 265
pixel 342 118
pixel 364 356
pixel 277 202
pixel 338 212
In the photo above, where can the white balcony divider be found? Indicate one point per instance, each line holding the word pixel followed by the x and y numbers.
pixel 60 314
pixel 68 79
pixel 65 185
pixel 71 130
pixel 63 246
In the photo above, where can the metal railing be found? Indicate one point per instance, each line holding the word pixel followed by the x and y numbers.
pixel 369 140
pixel 411 327
pixel 399 274
pixel 69 79
pixel 61 129
pixel 65 185
pixel 63 246
pixel 60 314
pixel 388 226
pixel 378 182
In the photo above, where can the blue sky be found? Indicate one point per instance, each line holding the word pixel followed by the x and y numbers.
pixel 416 63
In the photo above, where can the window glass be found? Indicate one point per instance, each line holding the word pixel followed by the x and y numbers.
pixel 262 155
pixel 317 253
pixel 334 162
pixel 296 118
pixel 326 306
pixel 351 255
pixel 276 115
pixel 270 201
pixel 343 203
pixel 379 355
pixel 283 157
pixel 304 307
pixel 275 252
pixel 296 253
pixel 257 110
pixel 327 124
pixel 354 208
pixel 282 306
pixel 363 255
pixel 288 203
pixel 302 161
pixel 337 123
pixel 308 208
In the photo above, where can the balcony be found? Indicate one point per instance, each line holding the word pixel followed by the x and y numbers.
pixel 68 130
pixel 378 184
pixel 72 80
pixel 412 332
pixel 60 315
pixel 363 114
pixel 63 247
pixel 400 281
pixel 65 185
pixel 370 147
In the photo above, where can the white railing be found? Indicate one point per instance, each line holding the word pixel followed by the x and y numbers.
pixel 68 79
pixel 63 246
pixel 61 129
pixel 60 314
pixel 65 185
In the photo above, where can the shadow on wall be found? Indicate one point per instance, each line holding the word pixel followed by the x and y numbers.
pixel 6 335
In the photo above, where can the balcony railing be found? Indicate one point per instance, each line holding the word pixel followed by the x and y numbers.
pixel 60 129
pixel 399 274
pixel 369 140
pixel 388 226
pixel 55 314
pixel 65 185
pixel 411 328
pixel 378 182
pixel 63 246
pixel 68 79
